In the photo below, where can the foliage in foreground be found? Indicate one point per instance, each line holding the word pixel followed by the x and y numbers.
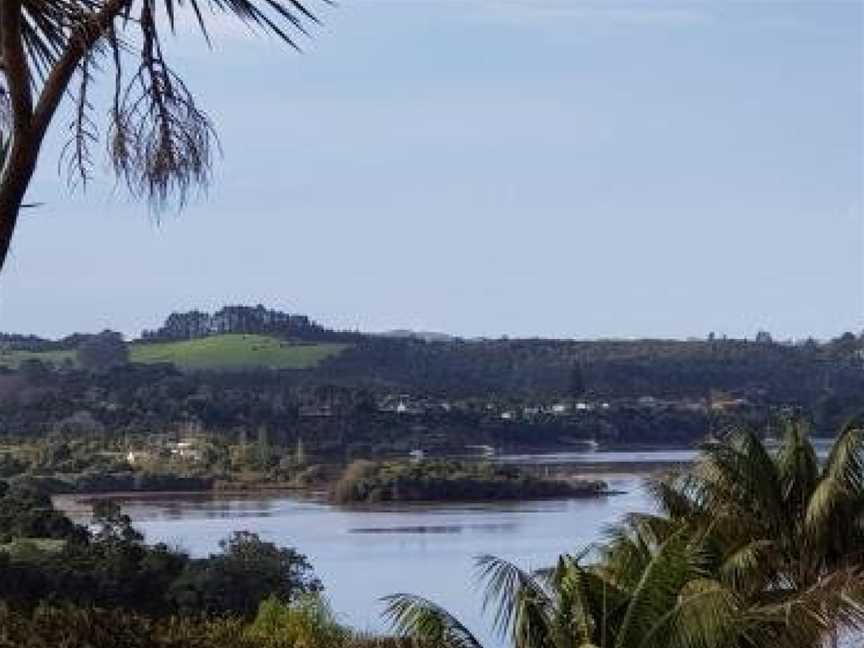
pixel 753 549
pixel 307 624
pixel 45 557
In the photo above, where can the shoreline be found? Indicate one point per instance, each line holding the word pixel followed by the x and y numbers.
pixel 81 503
pixel 74 505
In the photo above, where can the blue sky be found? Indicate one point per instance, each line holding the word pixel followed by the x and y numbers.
pixel 488 167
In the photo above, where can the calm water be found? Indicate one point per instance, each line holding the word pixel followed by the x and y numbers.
pixel 364 554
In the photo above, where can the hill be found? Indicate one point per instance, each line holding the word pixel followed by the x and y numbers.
pixel 236 351
pixel 229 352
pixel 12 358
pixel 425 336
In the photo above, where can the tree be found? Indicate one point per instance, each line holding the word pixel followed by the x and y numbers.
pixel 262 448
pixel 577 381
pixel 159 141
pixel 111 525
pixel 103 351
pixel 764 337
pixel 246 572
pixel 789 518
pixel 34 371
pixel 300 453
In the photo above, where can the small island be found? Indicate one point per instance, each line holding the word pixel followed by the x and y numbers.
pixel 366 482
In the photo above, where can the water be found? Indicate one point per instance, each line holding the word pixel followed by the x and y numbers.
pixel 364 554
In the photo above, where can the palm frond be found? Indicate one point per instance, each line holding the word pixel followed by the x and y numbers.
pixel 522 607
pixel 837 502
pixel 707 615
pixel 427 622
pixel 158 140
pixel 748 566
pixel 798 467
pixel 671 493
pixel 738 476
pixel 675 563
pixel 590 605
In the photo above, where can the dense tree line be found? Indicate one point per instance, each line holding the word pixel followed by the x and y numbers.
pixel 802 373
pixel 371 482
pixel 102 587
pixel 110 566
pixel 111 398
pixel 244 319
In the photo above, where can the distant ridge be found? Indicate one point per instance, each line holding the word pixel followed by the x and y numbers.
pixel 426 336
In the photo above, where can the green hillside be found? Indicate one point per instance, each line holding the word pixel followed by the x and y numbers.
pixel 12 358
pixel 226 352
pixel 236 351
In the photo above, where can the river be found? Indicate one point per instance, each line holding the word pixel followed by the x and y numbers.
pixel 362 554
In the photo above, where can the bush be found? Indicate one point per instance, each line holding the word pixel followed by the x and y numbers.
pixel 235 581
pixel 308 622
pixel 299 626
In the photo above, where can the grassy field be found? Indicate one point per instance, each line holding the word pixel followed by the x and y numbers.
pixel 14 358
pixel 31 548
pixel 236 351
pixel 225 352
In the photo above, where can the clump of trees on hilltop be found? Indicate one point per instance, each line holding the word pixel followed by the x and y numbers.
pixel 244 319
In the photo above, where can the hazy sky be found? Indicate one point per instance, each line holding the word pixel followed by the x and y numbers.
pixel 487 167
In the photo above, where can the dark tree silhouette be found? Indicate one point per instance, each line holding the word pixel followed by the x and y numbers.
pixel 158 139
pixel 103 352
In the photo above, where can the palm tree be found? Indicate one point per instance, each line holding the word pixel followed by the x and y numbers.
pixel 808 519
pixel 158 140
pixel 742 556
pixel 781 526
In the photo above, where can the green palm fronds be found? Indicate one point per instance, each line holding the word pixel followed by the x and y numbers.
pixel 751 549
pixel 429 623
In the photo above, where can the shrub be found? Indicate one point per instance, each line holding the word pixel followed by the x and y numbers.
pixel 307 623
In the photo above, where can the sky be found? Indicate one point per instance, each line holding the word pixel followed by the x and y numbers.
pixel 549 168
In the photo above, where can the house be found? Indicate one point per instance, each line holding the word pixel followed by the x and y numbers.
pixel 316 411
pixel 185 450
pixel 134 457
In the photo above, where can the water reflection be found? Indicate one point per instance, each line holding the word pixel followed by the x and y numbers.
pixel 364 553
pixel 506 527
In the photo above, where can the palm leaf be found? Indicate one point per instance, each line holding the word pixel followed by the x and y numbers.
pixel 522 607
pixel 675 563
pixel 834 509
pixel 421 619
